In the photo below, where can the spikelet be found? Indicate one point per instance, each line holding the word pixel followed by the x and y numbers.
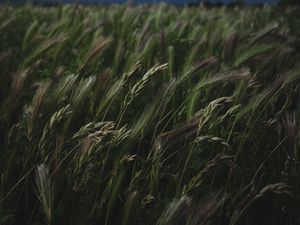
pixel 17 87
pixel 45 191
pixel 29 35
pixel 118 86
pixel 212 139
pixel 95 50
pixel 120 135
pixel 95 130
pixel 36 106
pixel 177 210
pixel 51 126
pixel 45 47
pixel 137 88
pixel 278 188
pixel 219 159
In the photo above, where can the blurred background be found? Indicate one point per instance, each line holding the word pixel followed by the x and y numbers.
pixel 176 2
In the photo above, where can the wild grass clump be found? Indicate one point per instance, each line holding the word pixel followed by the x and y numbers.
pixel 149 115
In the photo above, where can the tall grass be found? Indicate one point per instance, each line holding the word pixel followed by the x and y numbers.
pixel 149 115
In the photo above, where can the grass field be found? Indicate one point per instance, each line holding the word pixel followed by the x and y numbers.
pixel 149 115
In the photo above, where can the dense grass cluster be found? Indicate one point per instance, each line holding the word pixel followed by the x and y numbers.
pixel 149 115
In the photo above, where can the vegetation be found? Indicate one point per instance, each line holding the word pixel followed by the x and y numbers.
pixel 148 115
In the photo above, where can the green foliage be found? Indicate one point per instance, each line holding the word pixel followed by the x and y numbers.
pixel 149 115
